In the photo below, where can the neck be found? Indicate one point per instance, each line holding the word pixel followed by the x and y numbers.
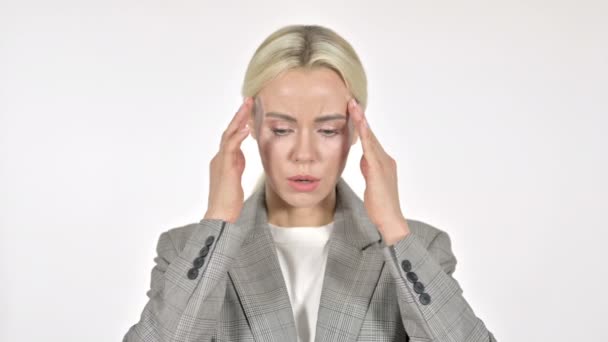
pixel 281 214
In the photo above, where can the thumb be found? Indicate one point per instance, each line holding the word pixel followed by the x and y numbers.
pixel 364 167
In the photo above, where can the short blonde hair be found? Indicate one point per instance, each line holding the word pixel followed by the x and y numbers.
pixel 304 46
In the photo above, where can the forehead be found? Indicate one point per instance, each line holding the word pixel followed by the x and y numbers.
pixel 299 90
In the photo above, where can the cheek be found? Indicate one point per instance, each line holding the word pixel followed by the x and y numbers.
pixel 272 149
pixel 333 147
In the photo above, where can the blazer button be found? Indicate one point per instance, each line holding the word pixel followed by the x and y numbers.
pixel 198 262
pixel 204 251
pixel 209 240
pixel 406 265
pixel 418 287
pixel 412 277
pixel 425 298
pixel 192 273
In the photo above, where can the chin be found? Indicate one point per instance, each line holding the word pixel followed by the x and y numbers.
pixel 305 200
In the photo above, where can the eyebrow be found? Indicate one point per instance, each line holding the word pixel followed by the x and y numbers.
pixel 322 118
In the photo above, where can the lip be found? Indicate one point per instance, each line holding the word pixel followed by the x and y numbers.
pixel 304 177
pixel 301 186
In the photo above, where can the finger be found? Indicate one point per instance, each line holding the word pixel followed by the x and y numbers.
pixel 234 142
pixel 375 143
pixel 356 117
pixel 239 119
pixel 364 132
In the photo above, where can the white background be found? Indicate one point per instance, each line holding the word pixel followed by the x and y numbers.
pixel 496 112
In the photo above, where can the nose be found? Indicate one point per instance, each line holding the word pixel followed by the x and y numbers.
pixel 304 150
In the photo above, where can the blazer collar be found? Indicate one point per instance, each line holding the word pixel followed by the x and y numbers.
pixel 352 225
pixel 351 273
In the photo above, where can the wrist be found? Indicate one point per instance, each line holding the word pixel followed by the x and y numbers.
pixel 395 231
pixel 215 216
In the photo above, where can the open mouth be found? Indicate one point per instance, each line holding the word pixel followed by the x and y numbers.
pixel 304 183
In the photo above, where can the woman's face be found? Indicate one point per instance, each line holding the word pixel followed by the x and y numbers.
pixel 301 126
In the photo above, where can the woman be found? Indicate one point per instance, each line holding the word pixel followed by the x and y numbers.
pixel 304 258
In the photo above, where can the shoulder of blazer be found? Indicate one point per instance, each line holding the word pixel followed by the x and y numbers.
pixel 178 236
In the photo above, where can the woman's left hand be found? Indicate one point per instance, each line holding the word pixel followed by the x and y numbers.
pixel 381 197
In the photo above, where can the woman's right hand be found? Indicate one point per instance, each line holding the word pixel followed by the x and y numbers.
pixel 226 169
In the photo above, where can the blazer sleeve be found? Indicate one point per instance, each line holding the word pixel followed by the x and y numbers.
pixel 430 299
pixel 188 282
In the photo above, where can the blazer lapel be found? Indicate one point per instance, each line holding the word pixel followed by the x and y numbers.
pixel 258 279
pixel 352 270
pixel 351 274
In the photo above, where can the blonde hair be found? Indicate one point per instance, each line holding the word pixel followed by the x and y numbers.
pixel 304 46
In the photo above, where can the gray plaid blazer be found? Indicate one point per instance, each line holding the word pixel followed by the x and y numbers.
pixel 221 281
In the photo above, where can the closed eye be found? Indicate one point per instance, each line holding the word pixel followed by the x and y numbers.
pixel 280 132
pixel 326 132
pixel 330 132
